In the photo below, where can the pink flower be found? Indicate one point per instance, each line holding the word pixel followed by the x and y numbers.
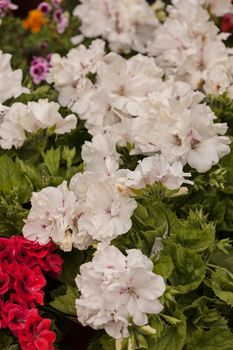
pixel 44 7
pixel 62 20
pixel 6 5
pixel 39 68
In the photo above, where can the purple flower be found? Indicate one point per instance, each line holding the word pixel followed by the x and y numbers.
pixel 45 7
pixel 56 3
pixel 6 5
pixel 62 19
pixel 39 68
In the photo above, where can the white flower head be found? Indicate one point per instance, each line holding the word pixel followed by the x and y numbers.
pixel 156 169
pixel 125 24
pixel 19 118
pixel 10 81
pixel 106 213
pixel 115 288
pixel 52 217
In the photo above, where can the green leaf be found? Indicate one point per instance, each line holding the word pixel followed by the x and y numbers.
pixel 7 342
pixel 204 313
pixel 68 155
pixel 66 303
pixel 70 268
pixel 9 172
pixel 194 233
pixel 52 160
pixel 214 339
pixel 11 178
pixel 222 259
pixel 172 337
pixel 164 265
pixel 107 342
pixel 189 268
pixel 222 285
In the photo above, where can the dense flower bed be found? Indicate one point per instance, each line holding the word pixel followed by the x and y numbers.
pixel 116 193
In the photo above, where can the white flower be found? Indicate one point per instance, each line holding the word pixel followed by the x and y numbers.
pixel 52 217
pixel 125 24
pixel 100 154
pixel 155 169
pixel 69 73
pixel 105 212
pixel 10 81
pixel 31 117
pixel 115 288
pixel 190 49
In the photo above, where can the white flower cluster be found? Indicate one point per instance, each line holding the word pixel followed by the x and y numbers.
pixel 129 103
pixel 190 49
pixel 69 73
pixel 126 24
pixel 10 80
pixel 97 206
pixel 93 209
pixel 21 118
pixel 116 288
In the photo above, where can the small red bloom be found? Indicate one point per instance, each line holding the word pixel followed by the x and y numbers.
pixel 15 313
pixel 54 263
pixel 227 23
pixel 29 286
pixel 5 248
pixel 4 282
pixel 3 323
pixel 37 334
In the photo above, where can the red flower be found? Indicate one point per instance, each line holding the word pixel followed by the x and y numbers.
pixel 15 313
pixel 29 286
pixel 227 23
pixel 54 263
pixel 5 248
pixel 4 282
pixel 37 334
pixel 3 323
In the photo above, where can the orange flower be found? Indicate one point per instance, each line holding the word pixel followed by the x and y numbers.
pixel 35 21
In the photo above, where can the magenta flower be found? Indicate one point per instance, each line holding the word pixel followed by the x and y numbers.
pixel 62 19
pixel 39 69
pixel 45 7
pixel 6 5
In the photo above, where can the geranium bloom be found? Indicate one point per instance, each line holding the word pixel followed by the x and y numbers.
pixel 37 334
pixel 35 115
pixel 52 216
pixel 35 21
pixel 10 81
pixel 4 282
pixel 6 5
pixel 39 68
pixel 105 212
pixel 227 23
pixel 44 7
pixel 115 288
pixel 125 24
pixel 189 48
pixel 155 169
